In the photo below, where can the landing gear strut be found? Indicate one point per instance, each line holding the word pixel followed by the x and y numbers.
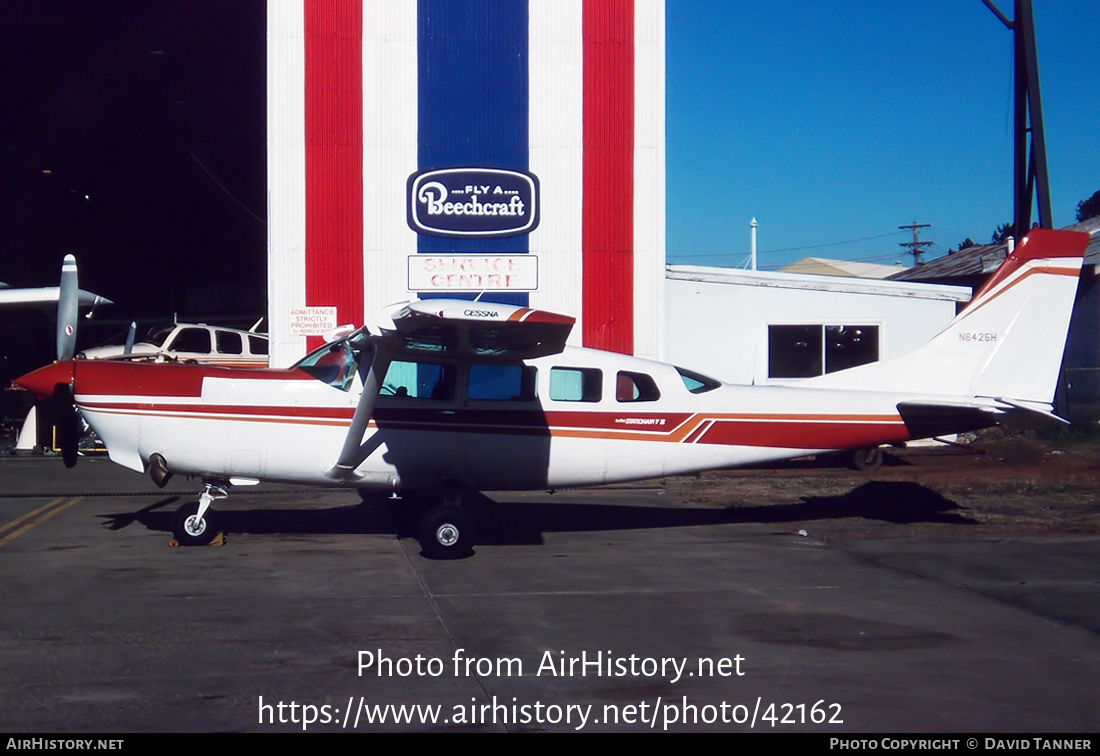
pixel 194 524
pixel 865 460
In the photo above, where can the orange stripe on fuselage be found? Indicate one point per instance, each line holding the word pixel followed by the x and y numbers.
pixel 788 430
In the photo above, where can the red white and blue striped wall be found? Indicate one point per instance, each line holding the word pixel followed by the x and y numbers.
pixel 364 94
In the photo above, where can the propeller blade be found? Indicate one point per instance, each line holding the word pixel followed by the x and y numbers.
pixel 129 347
pixel 67 309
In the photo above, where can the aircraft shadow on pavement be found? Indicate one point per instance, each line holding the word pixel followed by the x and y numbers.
pixel 511 522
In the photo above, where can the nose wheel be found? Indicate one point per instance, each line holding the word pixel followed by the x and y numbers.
pixel 194 523
pixel 191 529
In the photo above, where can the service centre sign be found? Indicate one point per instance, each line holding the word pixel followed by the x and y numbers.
pixel 473 203
pixel 473 273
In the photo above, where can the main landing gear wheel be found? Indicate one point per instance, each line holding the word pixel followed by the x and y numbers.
pixel 189 529
pixel 447 532
pixel 866 460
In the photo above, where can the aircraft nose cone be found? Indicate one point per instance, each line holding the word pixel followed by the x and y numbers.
pixel 42 381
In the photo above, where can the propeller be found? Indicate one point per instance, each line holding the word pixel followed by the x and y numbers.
pixel 62 408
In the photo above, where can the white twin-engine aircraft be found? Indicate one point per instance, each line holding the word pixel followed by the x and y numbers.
pixel 442 398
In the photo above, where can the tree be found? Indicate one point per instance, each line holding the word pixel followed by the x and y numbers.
pixel 964 244
pixel 1089 208
pixel 1002 233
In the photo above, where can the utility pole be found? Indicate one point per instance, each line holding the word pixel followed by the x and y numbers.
pixel 915 245
pixel 1030 163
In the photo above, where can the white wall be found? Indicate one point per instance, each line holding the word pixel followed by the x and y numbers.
pixel 716 321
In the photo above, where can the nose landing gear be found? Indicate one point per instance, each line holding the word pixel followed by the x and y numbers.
pixel 194 524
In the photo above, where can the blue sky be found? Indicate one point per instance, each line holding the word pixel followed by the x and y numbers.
pixel 842 120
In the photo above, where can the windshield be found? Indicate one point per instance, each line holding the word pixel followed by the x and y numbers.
pixel 335 363
pixel 156 336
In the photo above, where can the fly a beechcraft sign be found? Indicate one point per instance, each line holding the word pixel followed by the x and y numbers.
pixel 473 203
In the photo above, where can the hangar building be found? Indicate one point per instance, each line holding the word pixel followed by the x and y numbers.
pixel 508 148
pixel 514 150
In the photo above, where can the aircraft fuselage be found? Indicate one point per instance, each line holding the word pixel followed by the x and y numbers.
pixel 582 417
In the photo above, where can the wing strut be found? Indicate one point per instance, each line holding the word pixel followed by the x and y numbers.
pixel 350 455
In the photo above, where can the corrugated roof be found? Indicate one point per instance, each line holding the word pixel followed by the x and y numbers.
pixel 783 280
pixel 984 258
pixel 827 267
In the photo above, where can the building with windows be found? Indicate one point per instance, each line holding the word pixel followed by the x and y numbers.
pixel 756 327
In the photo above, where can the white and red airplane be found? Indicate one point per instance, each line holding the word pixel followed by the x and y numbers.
pixel 441 398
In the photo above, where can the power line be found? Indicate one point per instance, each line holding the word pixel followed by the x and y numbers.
pixel 789 249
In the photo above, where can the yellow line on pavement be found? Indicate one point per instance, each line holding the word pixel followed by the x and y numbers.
pixel 21 525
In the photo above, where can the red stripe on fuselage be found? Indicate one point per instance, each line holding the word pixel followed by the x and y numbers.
pixel 820 433
pixel 106 378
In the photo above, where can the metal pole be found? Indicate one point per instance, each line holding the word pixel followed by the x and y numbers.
pixel 753 226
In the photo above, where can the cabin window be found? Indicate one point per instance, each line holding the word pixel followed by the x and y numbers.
pixel 575 384
pixel 229 342
pixel 192 340
pixel 256 345
pixel 697 383
pixel 501 383
pixel 420 380
pixel 635 387
pixel 805 351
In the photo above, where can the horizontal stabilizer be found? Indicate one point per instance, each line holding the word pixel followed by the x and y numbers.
pixel 1031 417
pixel 932 419
pixel 924 419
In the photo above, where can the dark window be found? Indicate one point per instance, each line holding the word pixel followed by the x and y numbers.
pixel 229 342
pixel 256 345
pixel 635 387
pixel 191 340
pixel 575 384
pixel 850 346
pixel 794 351
pixel 805 351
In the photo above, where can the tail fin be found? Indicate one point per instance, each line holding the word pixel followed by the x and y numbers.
pixel 1006 344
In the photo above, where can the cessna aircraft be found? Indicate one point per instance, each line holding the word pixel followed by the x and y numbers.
pixel 441 398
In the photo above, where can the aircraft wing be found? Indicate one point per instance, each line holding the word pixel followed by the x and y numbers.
pixel 45 295
pixel 482 329
pixel 456 328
